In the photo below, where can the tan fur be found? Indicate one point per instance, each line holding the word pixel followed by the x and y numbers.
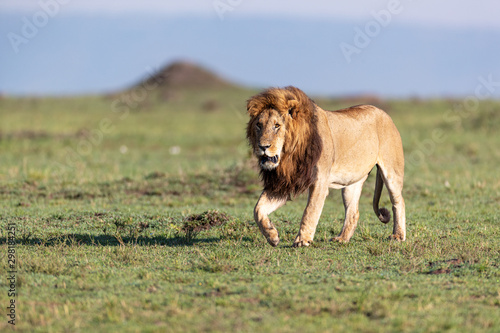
pixel 303 147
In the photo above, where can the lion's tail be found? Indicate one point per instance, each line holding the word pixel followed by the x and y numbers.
pixel 383 213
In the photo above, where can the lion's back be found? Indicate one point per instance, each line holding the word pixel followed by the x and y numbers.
pixel 358 111
pixel 358 118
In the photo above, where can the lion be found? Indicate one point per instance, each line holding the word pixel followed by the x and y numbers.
pixel 302 147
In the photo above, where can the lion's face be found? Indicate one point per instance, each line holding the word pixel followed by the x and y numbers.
pixel 269 132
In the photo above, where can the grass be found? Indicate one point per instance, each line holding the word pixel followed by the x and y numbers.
pixel 139 218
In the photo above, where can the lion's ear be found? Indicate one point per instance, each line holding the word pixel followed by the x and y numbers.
pixel 292 107
pixel 252 108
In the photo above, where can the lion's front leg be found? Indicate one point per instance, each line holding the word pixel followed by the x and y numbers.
pixel 265 206
pixel 312 213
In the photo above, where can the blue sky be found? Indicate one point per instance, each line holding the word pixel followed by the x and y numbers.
pixel 425 48
pixel 451 13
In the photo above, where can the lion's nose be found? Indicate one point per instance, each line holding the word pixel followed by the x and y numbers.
pixel 263 148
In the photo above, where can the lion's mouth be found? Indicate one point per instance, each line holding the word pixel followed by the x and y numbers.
pixel 265 159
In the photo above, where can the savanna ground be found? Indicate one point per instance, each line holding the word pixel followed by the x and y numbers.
pixel 139 218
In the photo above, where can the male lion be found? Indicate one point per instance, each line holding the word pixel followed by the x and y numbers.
pixel 303 147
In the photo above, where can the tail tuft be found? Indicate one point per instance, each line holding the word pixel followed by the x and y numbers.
pixel 384 215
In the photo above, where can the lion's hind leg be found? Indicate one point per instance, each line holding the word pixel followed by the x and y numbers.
pixel 350 196
pixel 393 180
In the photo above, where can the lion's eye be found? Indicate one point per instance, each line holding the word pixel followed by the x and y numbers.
pixel 277 126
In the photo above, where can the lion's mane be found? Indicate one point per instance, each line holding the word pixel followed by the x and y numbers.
pixel 302 148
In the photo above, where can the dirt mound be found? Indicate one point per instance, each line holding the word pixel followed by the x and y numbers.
pixel 204 221
pixel 182 75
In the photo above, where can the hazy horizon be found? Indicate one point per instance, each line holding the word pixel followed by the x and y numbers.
pixel 386 50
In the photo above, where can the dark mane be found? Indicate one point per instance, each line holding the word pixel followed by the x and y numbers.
pixel 303 145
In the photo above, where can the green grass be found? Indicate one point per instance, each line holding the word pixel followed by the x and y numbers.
pixel 106 200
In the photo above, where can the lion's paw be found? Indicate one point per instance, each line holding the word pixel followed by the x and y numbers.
pixel 273 241
pixel 339 239
pixel 271 235
pixel 399 238
pixel 302 243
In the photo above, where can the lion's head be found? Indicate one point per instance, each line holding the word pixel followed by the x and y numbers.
pixel 283 134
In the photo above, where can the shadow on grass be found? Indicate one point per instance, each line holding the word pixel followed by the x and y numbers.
pixel 110 240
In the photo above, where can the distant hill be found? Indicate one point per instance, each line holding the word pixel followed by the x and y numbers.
pixel 174 82
pixel 182 75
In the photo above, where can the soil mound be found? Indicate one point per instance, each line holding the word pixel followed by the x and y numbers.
pixel 205 221
pixel 182 75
